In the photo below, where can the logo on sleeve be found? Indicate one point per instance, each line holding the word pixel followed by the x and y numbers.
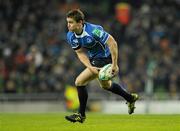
pixel 75 43
pixel 98 33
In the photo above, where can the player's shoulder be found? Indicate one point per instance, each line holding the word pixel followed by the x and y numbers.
pixel 69 34
pixel 70 37
pixel 92 26
pixel 96 31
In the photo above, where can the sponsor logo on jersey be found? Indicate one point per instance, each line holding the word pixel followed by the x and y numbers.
pixel 98 33
pixel 75 41
pixel 89 40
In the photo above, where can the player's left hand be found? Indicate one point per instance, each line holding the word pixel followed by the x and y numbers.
pixel 115 70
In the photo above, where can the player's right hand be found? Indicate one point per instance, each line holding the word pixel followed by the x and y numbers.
pixel 94 70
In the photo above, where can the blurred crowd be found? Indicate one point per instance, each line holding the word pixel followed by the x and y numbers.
pixel 35 57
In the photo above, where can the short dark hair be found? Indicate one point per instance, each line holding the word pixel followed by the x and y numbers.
pixel 76 14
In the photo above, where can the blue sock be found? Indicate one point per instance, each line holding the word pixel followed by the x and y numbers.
pixel 83 96
pixel 119 90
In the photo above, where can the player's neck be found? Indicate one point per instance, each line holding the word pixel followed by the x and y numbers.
pixel 80 30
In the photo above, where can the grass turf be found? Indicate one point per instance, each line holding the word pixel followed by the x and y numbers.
pixel 94 122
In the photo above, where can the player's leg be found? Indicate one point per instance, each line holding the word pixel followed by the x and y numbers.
pixel 120 90
pixel 84 78
pixel 81 81
pixel 115 88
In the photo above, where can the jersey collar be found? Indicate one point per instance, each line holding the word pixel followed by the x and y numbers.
pixel 84 33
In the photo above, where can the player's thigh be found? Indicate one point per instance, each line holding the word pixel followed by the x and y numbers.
pixel 84 77
pixel 105 84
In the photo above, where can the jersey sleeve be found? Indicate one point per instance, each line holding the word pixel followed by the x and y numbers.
pixel 100 35
pixel 73 41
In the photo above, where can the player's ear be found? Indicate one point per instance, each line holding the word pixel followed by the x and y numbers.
pixel 81 21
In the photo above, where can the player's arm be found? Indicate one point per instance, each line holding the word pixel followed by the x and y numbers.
pixel 114 54
pixel 85 60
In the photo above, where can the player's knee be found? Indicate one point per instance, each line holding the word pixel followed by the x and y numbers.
pixel 106 86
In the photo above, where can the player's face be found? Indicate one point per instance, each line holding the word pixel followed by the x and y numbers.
pixel 73 25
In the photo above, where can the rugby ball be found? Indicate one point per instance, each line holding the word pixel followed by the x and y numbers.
pixel 105 72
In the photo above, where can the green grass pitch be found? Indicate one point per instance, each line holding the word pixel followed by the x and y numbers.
pixel 94 122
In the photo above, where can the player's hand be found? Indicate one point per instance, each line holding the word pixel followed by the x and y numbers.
pixel 94 70
pixel 115 70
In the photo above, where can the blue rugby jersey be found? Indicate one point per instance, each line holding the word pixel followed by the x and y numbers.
pixel 93 38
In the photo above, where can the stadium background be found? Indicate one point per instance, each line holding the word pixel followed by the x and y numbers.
pixel 37 66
